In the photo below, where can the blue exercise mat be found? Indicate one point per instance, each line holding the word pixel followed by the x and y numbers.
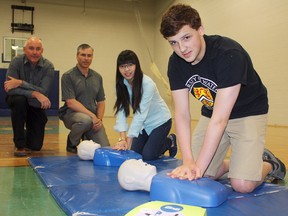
pixel 81 188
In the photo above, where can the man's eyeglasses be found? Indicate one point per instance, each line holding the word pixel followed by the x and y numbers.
pixel 124 66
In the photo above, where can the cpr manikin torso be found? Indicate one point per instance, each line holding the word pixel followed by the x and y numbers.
pixel 136 175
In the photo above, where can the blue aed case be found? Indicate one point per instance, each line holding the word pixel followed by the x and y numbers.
pixel 112 157
pixel 203 192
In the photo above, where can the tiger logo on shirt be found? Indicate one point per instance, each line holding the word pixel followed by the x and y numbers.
pixel 204 96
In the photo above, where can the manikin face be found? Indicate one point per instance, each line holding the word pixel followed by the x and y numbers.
pixel 84 58
pixel 127 71
pixel 146 169
pixel 189 44
pixel 33 50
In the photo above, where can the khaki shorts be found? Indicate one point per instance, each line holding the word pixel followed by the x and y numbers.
pixel 246 136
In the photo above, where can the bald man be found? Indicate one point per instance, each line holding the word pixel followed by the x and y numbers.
pixel 28 81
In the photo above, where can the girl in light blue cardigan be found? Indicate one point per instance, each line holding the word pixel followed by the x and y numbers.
pixel 151 122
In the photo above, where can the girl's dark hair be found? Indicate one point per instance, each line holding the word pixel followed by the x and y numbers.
pixel 123 101
pixel 178 16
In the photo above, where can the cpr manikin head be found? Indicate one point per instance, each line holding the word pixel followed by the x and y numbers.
pixel 86 149
pixel 136 175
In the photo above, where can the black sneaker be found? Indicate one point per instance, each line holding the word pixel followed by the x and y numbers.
pixel 173 148
pixel 279 169
pixel 83 137
pixel 20 152
pixel 70 147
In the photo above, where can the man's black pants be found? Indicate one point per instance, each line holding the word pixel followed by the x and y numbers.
pixel 28 123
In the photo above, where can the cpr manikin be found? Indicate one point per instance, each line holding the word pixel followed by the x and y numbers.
pixel 86 149
pixel 136 175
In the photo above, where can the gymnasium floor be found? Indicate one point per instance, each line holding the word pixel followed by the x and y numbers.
pixel 21 191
